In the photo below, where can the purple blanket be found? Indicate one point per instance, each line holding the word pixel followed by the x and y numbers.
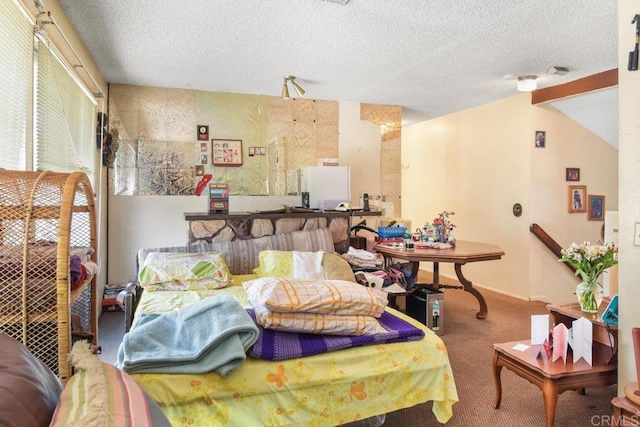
pixel 282 345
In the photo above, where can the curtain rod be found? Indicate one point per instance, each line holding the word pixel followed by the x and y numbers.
pixel 52 21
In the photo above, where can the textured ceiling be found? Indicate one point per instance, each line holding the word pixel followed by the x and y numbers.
pixel 431 57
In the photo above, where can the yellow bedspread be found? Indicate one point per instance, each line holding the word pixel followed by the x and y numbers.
pixel 321 390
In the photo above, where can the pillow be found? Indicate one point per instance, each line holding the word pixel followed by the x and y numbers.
pixel 280 264
pixel 275 264
pixel 28 388
pixel 181 271
pixel 318 323
pixel 315 296
pixel 101 394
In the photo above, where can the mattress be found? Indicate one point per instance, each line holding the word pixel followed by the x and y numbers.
pixel 321 390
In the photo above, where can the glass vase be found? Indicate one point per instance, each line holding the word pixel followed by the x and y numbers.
pixel 590 295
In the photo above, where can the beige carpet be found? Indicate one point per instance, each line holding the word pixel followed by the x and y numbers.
pixel 468 341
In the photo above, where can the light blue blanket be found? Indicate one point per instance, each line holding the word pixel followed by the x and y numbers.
pixel 210 335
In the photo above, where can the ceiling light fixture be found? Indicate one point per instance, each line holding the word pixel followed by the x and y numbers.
pixel 296 86
pixel 527 83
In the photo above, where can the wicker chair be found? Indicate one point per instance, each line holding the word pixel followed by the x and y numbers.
pixel 42 216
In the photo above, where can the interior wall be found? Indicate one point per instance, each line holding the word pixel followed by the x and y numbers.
pixel 480 162
pixel 629 211
pixel 360 146
pixel 568 144
pixel 471 163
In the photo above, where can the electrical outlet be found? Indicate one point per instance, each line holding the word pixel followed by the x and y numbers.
pixel 636 240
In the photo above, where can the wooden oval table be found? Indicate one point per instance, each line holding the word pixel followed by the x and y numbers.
pixel 464 252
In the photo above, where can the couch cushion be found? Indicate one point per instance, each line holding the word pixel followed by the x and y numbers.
pixel 336 268
pixel 28 388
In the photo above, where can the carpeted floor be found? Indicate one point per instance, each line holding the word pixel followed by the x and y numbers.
pixel 468 341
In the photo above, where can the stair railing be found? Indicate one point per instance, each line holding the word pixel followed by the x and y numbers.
pixel 548 241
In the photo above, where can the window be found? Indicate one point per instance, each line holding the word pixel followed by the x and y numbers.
pixel 16 41
pixel 65 117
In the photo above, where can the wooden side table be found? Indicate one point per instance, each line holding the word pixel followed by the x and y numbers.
pixel 625 412
pixel 552 378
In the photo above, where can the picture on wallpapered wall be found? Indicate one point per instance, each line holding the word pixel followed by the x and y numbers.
pixel 199 170
pixel 227 152
pixel 203 147
pixel 577 198
pixel 251 151
pixel 541 139
pixel 203 133
pixel 204 159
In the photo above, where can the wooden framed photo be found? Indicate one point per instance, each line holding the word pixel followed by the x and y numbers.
pixel 577 198
pixel 596 208
pixel 573 174
pixel 227 152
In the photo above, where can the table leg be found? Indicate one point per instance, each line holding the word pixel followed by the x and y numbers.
pixel 550 395
pixel 616 421
pixel 468 287
pixel 436 275
pixel 497 369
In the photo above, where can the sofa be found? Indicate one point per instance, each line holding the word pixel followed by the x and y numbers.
pixel 97 394
pixel 242 257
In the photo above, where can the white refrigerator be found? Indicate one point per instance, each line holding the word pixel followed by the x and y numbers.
pixel 327 186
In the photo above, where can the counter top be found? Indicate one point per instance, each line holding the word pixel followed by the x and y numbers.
pixel 281 213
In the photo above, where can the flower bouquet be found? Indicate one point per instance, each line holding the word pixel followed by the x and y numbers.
pixel 590 261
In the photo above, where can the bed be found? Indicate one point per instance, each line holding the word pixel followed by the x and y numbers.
pixel 326 389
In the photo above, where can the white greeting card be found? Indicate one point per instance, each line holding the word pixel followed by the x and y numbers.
pixel 539 328
pixel 582 342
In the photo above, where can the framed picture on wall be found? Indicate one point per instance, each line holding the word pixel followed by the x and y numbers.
pixel 596 208
pixel 577 198
pixel 573 174
pixel 540 139
pixel 227 152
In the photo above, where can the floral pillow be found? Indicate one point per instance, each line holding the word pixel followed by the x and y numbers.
pixel 182 271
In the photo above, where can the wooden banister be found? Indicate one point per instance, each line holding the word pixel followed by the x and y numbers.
pixel 548 241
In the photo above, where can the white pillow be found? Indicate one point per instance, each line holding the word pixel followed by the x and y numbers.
pixel 315 296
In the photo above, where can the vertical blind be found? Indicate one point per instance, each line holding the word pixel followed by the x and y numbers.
pixel 16 41
pixel 65 117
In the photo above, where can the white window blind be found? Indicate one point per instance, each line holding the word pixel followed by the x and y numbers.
pixel 16 41
pixel 65 118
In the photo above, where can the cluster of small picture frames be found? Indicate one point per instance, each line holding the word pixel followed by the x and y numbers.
pixel 594 205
